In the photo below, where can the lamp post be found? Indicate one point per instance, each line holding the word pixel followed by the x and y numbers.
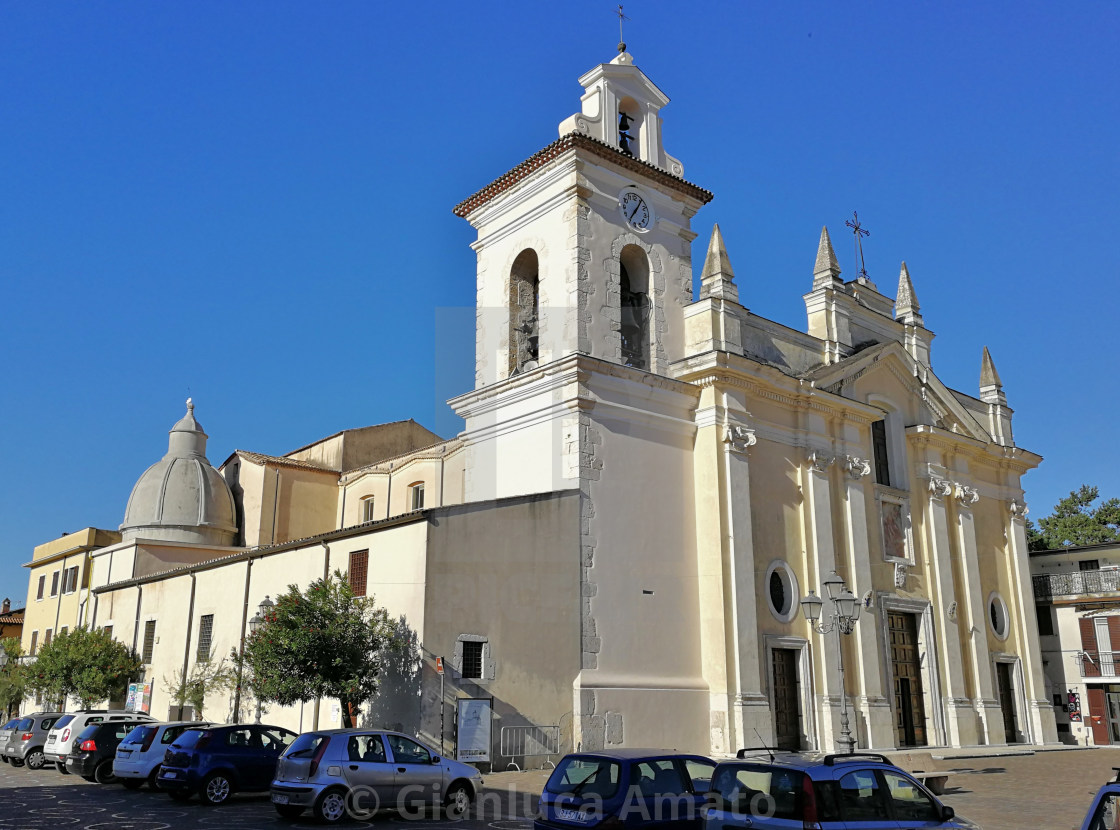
pixel 842 619
pixel 255 623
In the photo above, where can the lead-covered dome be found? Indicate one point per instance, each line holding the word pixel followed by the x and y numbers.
pixel 181 498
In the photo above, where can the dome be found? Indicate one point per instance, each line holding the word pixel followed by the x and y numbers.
pixel 181 498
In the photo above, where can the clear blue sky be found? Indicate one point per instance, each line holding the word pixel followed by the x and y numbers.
pixel 252 201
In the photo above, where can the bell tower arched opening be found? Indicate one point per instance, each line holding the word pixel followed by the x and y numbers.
pixel 634 307
pixel 524 312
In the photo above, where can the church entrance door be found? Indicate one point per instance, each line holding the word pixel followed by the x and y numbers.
pixel 910 718
pixel 787 709
pixel 1006 702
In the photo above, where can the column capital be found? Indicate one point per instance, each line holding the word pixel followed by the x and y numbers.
pixel 966 495
pixel 819 460
pixel 940 488
pixel 739 438
pixel 857 467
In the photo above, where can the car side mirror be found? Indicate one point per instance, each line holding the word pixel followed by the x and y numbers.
pixel 947 812
pixel 435 759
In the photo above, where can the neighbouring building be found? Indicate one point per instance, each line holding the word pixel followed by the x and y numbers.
pixel 11 620
pixel 1077 590
pixel 647 483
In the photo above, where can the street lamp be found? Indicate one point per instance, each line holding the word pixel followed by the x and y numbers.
pixel 254 625
pixel 842 619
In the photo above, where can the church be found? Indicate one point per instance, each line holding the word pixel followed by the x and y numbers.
pixel 647 485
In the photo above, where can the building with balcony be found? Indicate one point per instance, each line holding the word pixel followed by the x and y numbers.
pixel 1077 596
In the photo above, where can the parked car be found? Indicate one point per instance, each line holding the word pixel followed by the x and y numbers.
pixel 91 754
pixel 140 755
pixel 830 792
pixel 26 743
pixel 631 787
pixel 1104 812
pixel 217 761
pixel 367 769
pixel 61 738
pixel 5 734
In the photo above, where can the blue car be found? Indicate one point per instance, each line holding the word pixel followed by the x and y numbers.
pixel 217 761
pixel 625 788
pixel 769 790
pixel 1104 812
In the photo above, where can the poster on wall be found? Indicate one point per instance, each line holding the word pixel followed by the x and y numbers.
pixel 474 728
pixel 1074 707
pixel 139 697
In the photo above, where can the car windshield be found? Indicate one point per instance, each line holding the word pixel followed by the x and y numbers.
pixel 305 745
pixel 759 790
pixel 25 724
pixel 65 719
pixel 189 738
pixel 11 724
pixel 585 777
pixel 138 735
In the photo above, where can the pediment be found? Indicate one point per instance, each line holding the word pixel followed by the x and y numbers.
pixel 942 406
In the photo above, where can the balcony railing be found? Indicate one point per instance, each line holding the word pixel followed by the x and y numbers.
pixel 1098 665
pixel 1048 586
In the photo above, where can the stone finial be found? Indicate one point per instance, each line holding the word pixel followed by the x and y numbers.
pixel 826 272
pixel 988 374
pixel 906 308
pixel 717 278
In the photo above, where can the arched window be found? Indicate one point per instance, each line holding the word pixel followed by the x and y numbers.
pixel 634 307
pixel 630 125
pixel 367 509
pixel 524 312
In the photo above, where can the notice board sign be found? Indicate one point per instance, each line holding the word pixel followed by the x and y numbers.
pixel 139 697
pixel 474 719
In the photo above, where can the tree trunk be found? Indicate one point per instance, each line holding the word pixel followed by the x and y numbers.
pixel 347 714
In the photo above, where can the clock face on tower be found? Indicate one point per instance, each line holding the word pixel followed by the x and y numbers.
pixel 635 210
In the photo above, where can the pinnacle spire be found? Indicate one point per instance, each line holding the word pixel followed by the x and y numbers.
pixel 718 278
pixel 826 271
pixel 988 374
pixel 906 306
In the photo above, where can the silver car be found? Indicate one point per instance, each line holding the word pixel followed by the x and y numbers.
pixel 358 771
pixel 26 743
pixel 6 733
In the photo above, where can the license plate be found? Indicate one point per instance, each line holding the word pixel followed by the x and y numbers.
pixel 169 774
pixel 124 753
pixel 279 799
pixel 50 739
pixel 570 815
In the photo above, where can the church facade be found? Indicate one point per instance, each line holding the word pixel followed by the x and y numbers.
pixel 647 484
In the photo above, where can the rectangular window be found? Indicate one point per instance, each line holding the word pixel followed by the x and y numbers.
pixel 54 584
pixel 1089 565
pixel 417 496
pixel 205 637
pixel 472 659
pixel 34 641
pixel 47 637
pixel 879 447
pixel 64 629
pixel 149 642
pixel 109 631
pixel 42 586
pixel 1045 621
pixel 367 509
pixel 359 567
pixel 70 581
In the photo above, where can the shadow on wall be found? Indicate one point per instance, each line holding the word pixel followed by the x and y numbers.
pixel 397 704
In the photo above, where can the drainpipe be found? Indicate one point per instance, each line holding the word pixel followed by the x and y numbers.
pixel 326 573
pixel 187 649
pixel 61 587
pixel 275 502
pixel 241 648
pixel 442 465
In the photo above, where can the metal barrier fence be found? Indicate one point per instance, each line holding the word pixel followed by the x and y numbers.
pixel 528 741
pixel 1077 582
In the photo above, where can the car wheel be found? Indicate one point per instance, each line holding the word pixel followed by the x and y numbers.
pixel 288 810
pixel 16 762
pixel 36 759
pixel 103 773
pixel 61 767
pixel 132 783
pixel 153 777
pixel 180 795
pixel 457 801
pixel 331 806
pixel 216 789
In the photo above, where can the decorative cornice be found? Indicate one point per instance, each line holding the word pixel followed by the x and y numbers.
pixel 739 438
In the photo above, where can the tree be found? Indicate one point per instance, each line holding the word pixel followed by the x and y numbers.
pixel 13 676
pixel 1075 521
pixel 205 677
pixel 322 642
pixel 88 665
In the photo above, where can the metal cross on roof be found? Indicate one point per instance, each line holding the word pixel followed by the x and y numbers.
pixel 859 232
pixel 621 17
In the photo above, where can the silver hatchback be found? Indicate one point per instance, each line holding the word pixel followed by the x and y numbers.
pixel 335 772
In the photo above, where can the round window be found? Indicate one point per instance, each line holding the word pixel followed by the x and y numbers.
pixel 997 615
pixel 781 591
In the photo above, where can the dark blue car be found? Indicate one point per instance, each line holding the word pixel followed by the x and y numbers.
pixel 217 761
pixel 625 787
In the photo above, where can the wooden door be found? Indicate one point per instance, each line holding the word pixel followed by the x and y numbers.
pixel 1098 716
pixel 910 718
pixel 787 708
pixel 1007 702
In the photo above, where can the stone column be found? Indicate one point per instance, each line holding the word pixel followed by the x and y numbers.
pixel 972 613
pixel 960 719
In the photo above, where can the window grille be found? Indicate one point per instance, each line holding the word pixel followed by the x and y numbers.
pixel 359 566
pixel 472 659
pixel 149 642
pixel 205 637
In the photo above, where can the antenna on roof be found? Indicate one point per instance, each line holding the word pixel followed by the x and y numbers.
pixel 763 743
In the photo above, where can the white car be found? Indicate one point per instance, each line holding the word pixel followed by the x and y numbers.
pixel 61 738
pixel 140 754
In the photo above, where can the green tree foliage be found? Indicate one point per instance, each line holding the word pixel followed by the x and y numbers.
pixel 13 676
pixel 204 678
pixel 322 642
pixel 88 665
pixel 1076 521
